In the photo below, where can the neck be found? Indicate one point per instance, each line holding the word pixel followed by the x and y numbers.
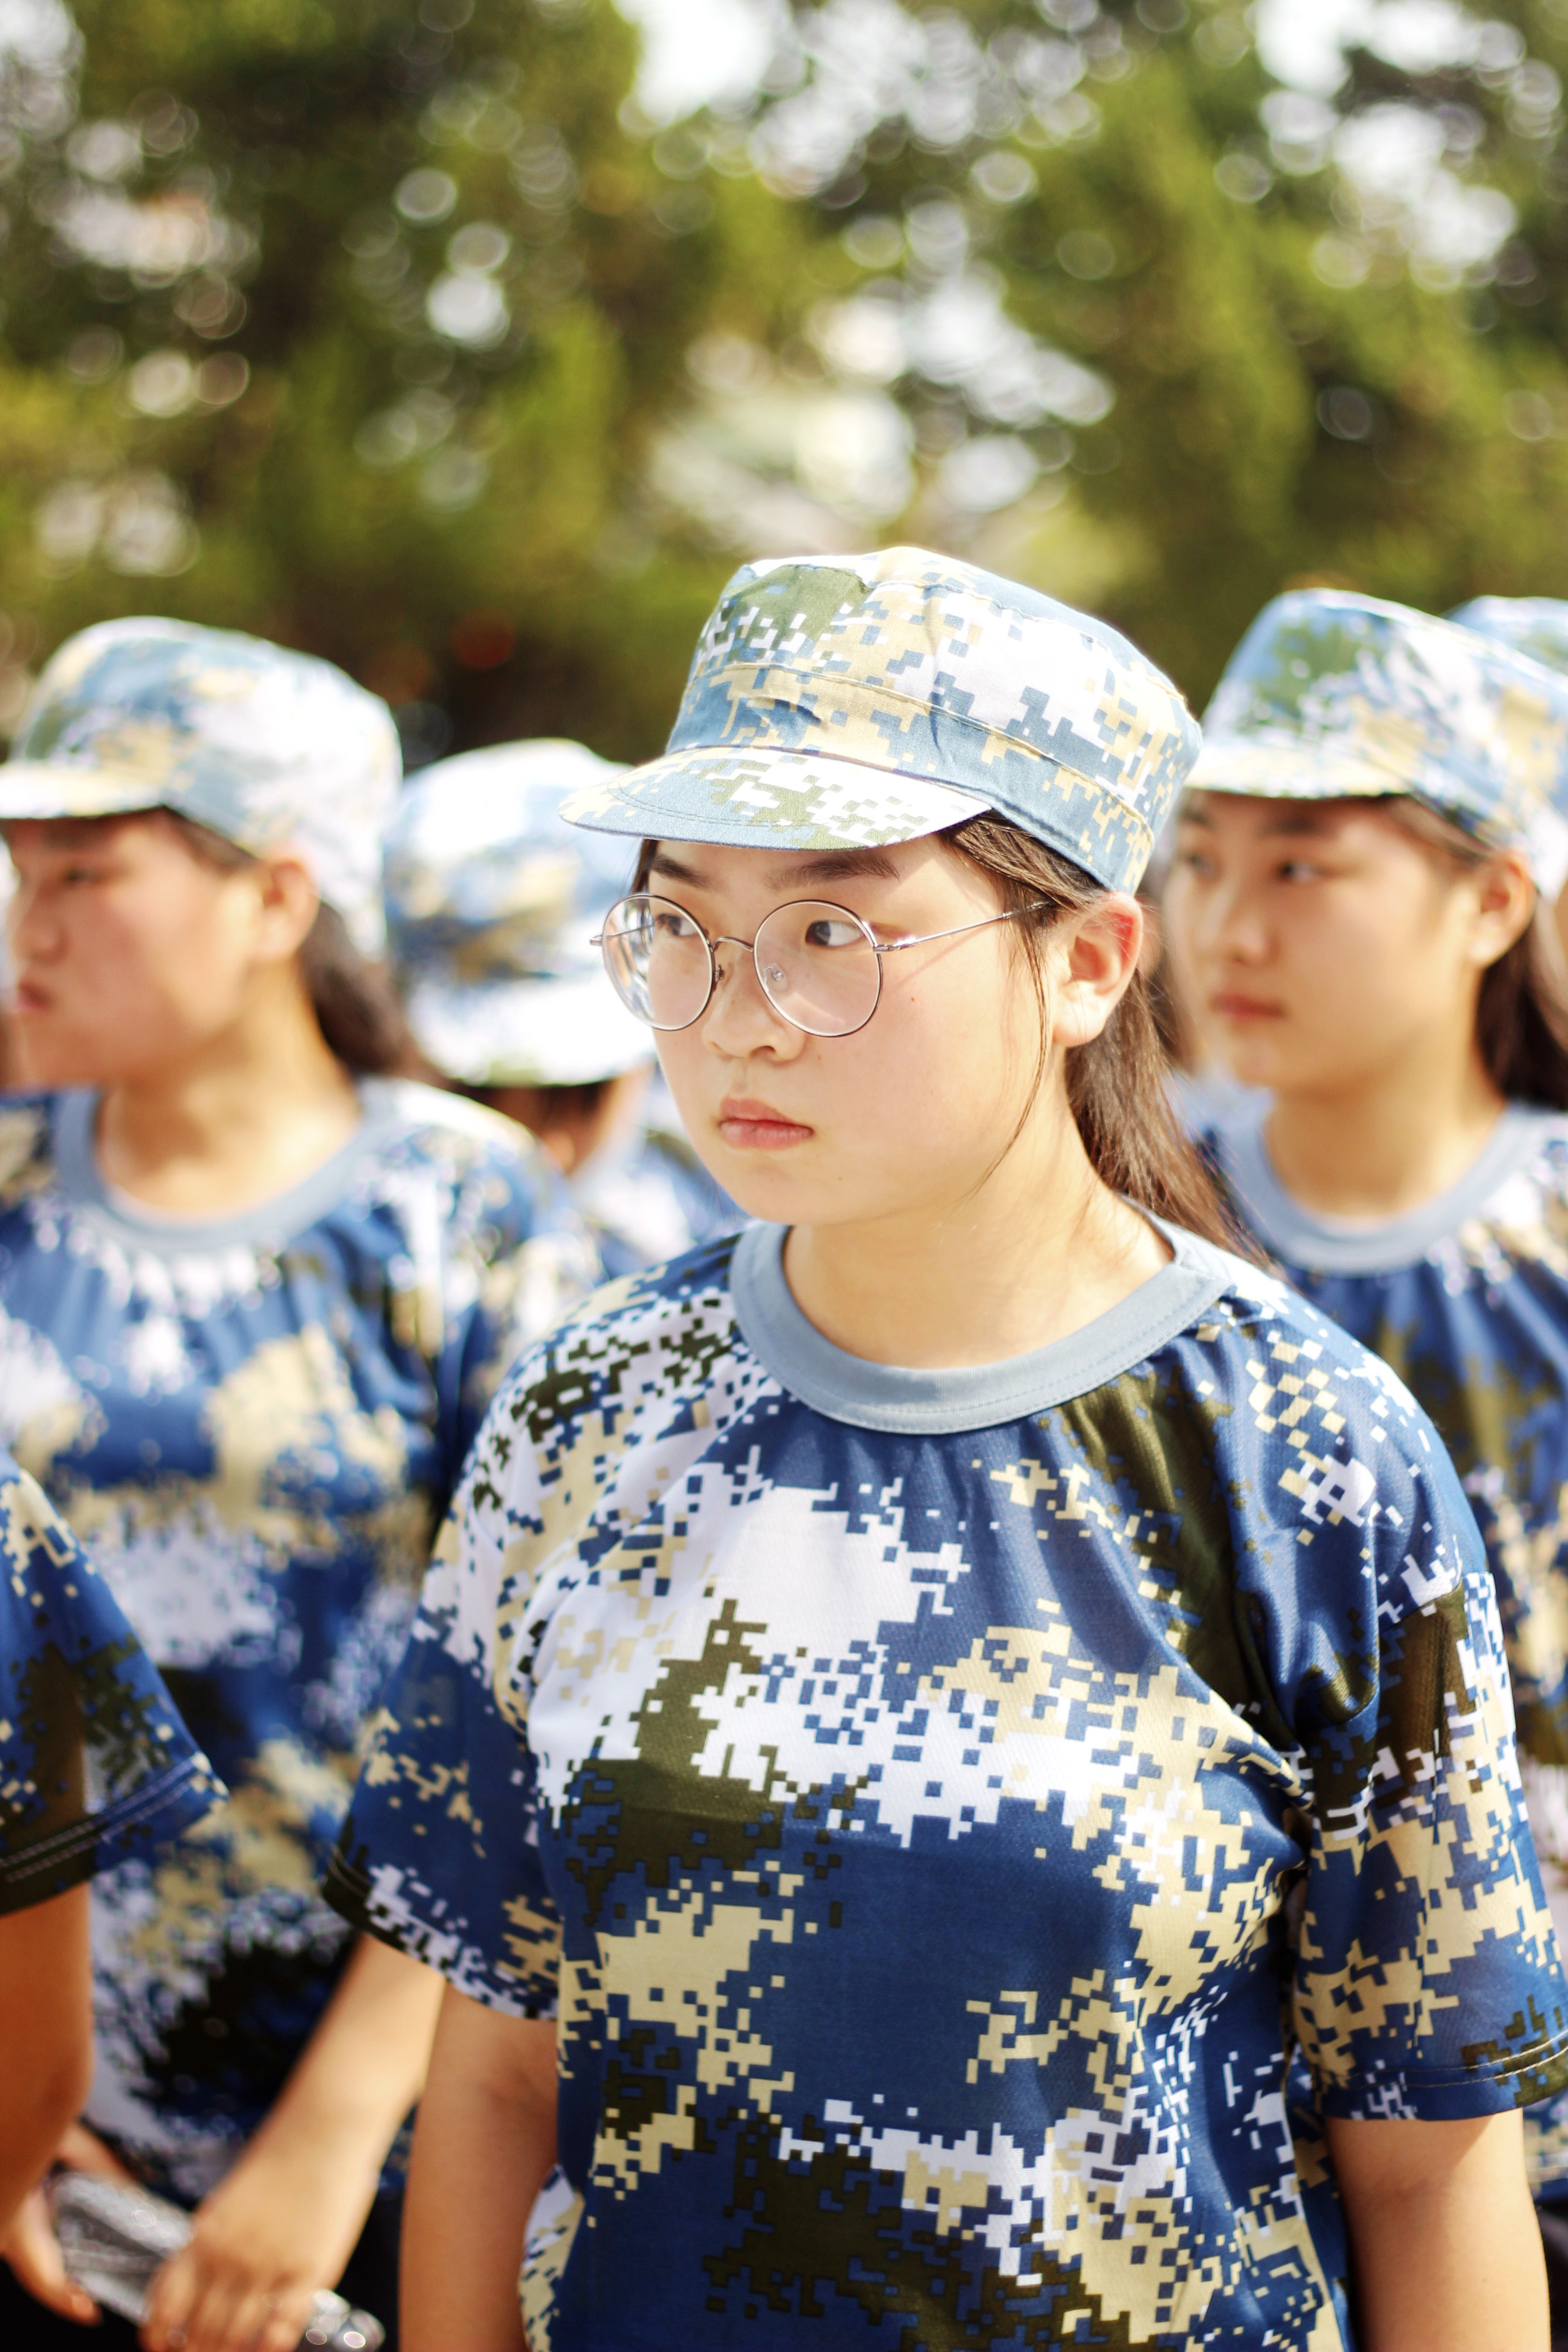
pixel 1035 1253
pixel 1385 1144
pixel 238 1120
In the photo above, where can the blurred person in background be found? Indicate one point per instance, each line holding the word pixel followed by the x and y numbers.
pixel 926 1730
pixel 1367 860
pixel 1536 626
pixel 95 1769
pixel 492 904
pixel 255 1291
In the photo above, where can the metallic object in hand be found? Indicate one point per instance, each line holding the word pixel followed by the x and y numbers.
pixel 114 2239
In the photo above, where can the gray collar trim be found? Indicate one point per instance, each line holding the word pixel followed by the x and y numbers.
pixel 1331 1245
pixel 268 1224
pixel 972 1396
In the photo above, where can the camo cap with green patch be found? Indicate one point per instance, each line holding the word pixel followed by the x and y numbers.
pixel 842 701
pixel 1334 695
pixel 271 749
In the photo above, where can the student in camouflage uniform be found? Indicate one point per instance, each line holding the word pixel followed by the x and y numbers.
pixel 920 1711
pixel 1361 905
pixel 255 1292
pixel 96 1768
pixel 493 903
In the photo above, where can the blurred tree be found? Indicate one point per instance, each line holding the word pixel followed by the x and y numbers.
pixel 396 329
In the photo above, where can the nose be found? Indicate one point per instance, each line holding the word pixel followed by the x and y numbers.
pixel 33 931
pixel 739 1020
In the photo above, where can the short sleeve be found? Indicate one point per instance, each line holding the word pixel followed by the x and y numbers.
pixel 96 1767
pixel 439 1854
pixel 1429 1983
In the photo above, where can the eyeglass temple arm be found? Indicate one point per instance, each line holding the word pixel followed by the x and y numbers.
pixel 922 939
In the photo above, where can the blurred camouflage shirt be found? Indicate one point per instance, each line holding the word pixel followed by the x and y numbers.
pixel 1467 1298
pixel 257 1423
pixel 95 1765
pixel 936 1806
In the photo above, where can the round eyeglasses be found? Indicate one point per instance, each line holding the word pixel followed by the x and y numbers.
pixel 818 964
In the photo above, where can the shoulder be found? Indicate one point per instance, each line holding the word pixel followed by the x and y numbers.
pixel 636 1357
pixel 423 1133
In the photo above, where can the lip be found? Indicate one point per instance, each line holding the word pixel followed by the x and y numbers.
pixel 1231 1005
pixel 747 1124
pixel 26 997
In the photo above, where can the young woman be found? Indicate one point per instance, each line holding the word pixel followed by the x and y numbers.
pixel 96 1768
pixel 493 905
pixel 936 1683
pixel 1354 915
pixel 256 1295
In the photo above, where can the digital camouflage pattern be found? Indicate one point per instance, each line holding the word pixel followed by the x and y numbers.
pixel 925 1814
pixel 492 904
pixel 1331 696
pixel 840 700
pixel 1536 625
pixel 255 1424
pixel 1468 1301
pixel 96 1768
pixel 270 748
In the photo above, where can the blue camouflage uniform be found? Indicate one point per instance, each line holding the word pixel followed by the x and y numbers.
pixel 254 1421
pixel 937 1808
pixel 1467 1297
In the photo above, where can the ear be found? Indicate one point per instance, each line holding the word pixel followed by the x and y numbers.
pixel 1097 955
pixel 287 899
pixel 1505 905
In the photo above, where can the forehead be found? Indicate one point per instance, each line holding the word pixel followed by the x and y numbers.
pixel 68 833
pixel 704 865
pixel 1251 816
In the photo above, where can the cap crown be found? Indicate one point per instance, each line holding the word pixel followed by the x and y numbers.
pixel 848 700
pixel 1535 625
pixel 484 879
pixel 270 748
pixel 1331 696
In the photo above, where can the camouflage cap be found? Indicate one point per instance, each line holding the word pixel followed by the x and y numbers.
pixel 271 749
pixel 837 701
pixel 1332 696
pixel 1536 625
pixel 492 904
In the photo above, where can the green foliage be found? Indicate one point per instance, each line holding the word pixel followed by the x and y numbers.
pixel 391 330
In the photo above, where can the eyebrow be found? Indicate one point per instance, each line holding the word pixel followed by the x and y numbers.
pixel 833 866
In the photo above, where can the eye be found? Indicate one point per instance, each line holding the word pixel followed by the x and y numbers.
pixel 1300 870
pixel 668 923
pixel 832 931
pixel 1197 861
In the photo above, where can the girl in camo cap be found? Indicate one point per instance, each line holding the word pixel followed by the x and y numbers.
pixel 255 1287
pixel 1360 912
pixel 922 1707
pixel 493 903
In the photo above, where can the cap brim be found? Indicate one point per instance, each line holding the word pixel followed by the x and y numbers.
pixel 767 799
pixel 47 788
pixel 1289 772
pixel 527 1033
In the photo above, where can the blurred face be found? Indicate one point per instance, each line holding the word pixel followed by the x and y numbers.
pixel 1316 944
pixel 908 1115
pixel 129 952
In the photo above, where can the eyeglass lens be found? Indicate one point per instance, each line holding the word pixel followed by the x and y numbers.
pixel 816 961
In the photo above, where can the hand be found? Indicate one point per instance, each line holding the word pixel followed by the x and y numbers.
pixel 276 2231
pixel 31 2247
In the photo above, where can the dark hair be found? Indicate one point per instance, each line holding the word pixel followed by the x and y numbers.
pixel 1521 1008
pixel 355 1003
pixel 1116 1085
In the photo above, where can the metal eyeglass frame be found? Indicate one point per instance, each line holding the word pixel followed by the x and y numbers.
pixel 727 940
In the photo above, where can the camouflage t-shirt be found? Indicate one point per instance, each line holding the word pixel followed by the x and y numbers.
pixel 1467 1298
pixel 926 1799
pixel 95 1766
pixel 255 1424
